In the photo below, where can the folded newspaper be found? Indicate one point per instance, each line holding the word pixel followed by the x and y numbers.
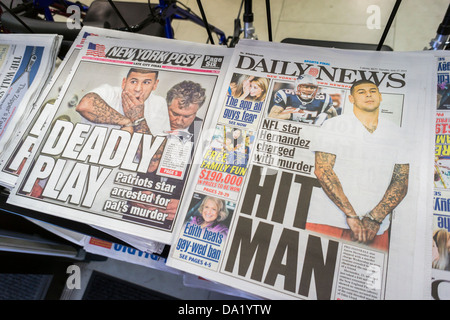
pixel 26 65
pixel 306 182
pixel 117 148
pixel 315 183
pixel 14 156
pixel 440 260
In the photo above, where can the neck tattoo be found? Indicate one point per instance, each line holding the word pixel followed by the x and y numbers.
pixel 370 128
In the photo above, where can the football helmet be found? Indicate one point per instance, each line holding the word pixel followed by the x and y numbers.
pixel 306 87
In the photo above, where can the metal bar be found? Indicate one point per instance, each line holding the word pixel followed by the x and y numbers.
pixel 440 42
pixel 15 242
pixel 269 19
pixel 17 17
pixel 185 15
pixel 48 14
pixel 388 25
pixel 120 16
pixel 200 6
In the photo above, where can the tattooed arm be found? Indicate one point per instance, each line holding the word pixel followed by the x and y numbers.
pixel 134 110
pixel 394 194
pixel 332 187
pixel 93 108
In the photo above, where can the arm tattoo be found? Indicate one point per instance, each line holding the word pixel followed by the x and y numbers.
pixel 98 111
pixel 395 192
pixel 330 182
pixel 134 113
pixel 142 128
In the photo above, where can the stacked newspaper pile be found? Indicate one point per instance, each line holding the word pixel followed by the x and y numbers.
pixel 140 72
pixel 46 92
pixel 440 288
pixel 26 65
pixel 285 171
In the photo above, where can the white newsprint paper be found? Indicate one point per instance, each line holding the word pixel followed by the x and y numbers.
pixel 316 180
pixel 26 65
pixel 440 258
pixel 117 149
pixel 14 155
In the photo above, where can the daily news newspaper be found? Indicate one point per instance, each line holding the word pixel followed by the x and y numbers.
pixel 26 65
pixel 308 190
pixel 440 282
pixel 117 149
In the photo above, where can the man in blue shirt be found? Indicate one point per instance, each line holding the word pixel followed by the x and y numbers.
pixel 303 103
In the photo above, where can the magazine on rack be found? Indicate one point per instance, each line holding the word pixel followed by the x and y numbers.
pixel 440 283
pixel 26 65
pixel 119 157
pixel 315 182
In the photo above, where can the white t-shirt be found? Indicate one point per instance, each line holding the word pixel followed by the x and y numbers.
pixel 156 113
pixel 364 165
pixel 157 117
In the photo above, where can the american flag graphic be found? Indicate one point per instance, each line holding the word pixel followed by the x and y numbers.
pixel 96 50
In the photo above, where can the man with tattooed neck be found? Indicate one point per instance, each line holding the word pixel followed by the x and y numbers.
pixel 363 170
pixel 132 107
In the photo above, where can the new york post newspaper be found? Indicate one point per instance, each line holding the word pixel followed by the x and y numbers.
pixel 315 182
pixel 15 153
pixel 117 148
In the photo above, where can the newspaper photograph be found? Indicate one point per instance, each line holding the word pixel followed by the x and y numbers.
pixel 321 158
pixel 225 163
pixel 441 207
pixel 117 148
pixel 205 230
pixel 12 159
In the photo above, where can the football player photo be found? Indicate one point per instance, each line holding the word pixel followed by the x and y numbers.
pixel 303 103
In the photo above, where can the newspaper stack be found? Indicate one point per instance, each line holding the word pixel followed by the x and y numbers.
pixel 28 132
pixel 311 167
pixel 440 261
pixel 315 183
pixel 128 160
pixel 13 159
pixel 26 65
